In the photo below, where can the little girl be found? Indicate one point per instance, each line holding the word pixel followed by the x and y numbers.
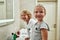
pixel 40 28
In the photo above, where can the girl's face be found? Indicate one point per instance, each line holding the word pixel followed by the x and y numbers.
pixel 39 13
pixel 24 17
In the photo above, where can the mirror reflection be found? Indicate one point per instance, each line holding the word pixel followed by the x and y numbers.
pixel 6 9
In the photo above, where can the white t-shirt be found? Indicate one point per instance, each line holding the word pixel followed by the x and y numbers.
pixel 36 34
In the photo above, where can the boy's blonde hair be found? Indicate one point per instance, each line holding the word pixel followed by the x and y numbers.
pixel 27 13
pixel 39 5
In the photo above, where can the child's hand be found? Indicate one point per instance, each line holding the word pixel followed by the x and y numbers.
pixel 17 33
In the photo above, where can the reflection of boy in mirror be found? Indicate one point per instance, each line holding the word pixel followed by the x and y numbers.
pixel 27 17
pixel 40 28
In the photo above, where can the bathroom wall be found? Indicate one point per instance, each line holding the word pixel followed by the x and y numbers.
pixel 28 4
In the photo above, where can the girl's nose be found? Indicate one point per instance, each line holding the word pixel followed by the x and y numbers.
pixel 38 13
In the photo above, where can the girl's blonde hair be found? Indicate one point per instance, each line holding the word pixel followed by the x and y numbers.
pixel 27 13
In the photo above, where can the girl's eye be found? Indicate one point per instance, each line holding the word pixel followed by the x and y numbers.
pixel 41 11
pixel 36 11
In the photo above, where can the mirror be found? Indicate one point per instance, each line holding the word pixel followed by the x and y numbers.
pixel 9 9
pixel 6 11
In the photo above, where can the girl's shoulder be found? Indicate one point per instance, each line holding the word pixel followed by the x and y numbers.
pixel 44 24
pixel 32 21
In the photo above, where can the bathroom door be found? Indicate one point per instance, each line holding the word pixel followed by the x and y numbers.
pixel 50 18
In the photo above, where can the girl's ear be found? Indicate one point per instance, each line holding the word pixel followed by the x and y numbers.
pixel 45 14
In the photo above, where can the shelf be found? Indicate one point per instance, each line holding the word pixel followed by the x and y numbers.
pixel 6 22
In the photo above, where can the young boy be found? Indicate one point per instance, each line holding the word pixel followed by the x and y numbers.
pixel 40 28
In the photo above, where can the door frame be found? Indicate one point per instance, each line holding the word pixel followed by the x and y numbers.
pixel 58 20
